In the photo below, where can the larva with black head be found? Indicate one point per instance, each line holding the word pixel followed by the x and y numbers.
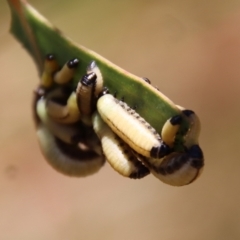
pixel 66 73
pixel 178 168
pixel 85 97
pixel 50 67
pixel 131 127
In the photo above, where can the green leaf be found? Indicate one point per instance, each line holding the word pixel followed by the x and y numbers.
pixel 40 38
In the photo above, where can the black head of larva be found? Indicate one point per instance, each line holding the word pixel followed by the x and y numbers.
pixel 73 63
pixel 89 79
pixel 91 66
pixel 176 120
pixel 160 151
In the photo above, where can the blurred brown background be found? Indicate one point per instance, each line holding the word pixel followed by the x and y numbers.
pixel 190 49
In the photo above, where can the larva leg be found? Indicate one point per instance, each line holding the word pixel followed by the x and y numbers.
pixel 130 127
pixel 178 168
pixel 59 109
pixel 50 67
pixel 117 153
pixel 66 73
pixel 67 158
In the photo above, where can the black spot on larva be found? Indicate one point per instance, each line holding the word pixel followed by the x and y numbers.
pixel 197 163
pixel 74 152
pixel 122 99
pixel 73 63
pixel 140 173
pixel 126 151
pixel 188 112
pixel 176 120
pixel 131 158
pixel 195 153
pixel 159 151
pixel 169 169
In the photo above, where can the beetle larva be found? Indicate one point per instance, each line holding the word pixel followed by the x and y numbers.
pixel 117 153
pixel 178 168
pixel 67 72
pixel 50 67
pixel 130 127
pixel 181 168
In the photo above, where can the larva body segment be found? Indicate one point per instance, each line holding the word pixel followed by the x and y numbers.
pixel 130 127
pixel 117 153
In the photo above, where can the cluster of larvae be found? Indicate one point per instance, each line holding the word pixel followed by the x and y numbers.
pixel 78 130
